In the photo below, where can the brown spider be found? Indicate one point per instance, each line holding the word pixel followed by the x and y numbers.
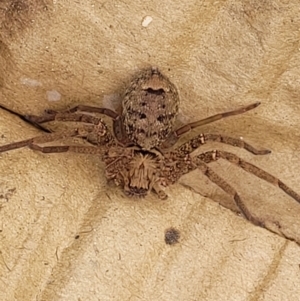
pixel 140 155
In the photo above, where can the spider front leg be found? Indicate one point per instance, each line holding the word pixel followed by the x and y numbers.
pixel 95 127
pixel 39 139
pixel 51 115
pixel 175 135
pixel 79 149
pixel 77 114
pixel 196 142
pixel 33 144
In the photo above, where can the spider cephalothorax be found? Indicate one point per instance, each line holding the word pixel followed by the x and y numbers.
pixel 141 154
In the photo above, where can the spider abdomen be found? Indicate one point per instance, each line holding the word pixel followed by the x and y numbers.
pixel 150 106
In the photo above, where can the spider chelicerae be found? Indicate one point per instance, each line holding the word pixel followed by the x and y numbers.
pixel 141 152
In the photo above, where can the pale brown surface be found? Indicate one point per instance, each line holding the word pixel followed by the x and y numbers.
pixel 220 55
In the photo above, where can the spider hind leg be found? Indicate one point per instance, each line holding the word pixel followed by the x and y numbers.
pixel 215 178
pixel 251 168
pixel 205 158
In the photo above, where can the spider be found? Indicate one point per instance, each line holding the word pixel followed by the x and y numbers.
pixel 141 153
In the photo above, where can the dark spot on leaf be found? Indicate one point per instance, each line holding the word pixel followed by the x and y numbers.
pixel 172 236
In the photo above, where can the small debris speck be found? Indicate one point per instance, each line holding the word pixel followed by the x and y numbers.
pixel 53 95
pixel 172 236
pixel 146 21
pixel 30 82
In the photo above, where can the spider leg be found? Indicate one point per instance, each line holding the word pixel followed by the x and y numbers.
pixel 73 117
pixel 175 135
pixel 36 125
pixel 51 115
pixel 96 128
pixel 39 139
pixel 186 128
pixel 194 143
pixel 92 150
pixel 33 143
pixel 161 194
pixel 215 178
pixel 210 156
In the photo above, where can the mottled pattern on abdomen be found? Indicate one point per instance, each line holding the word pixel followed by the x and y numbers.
pixel 150 106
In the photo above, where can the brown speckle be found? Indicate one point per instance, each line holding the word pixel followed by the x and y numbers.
pixel 172 236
